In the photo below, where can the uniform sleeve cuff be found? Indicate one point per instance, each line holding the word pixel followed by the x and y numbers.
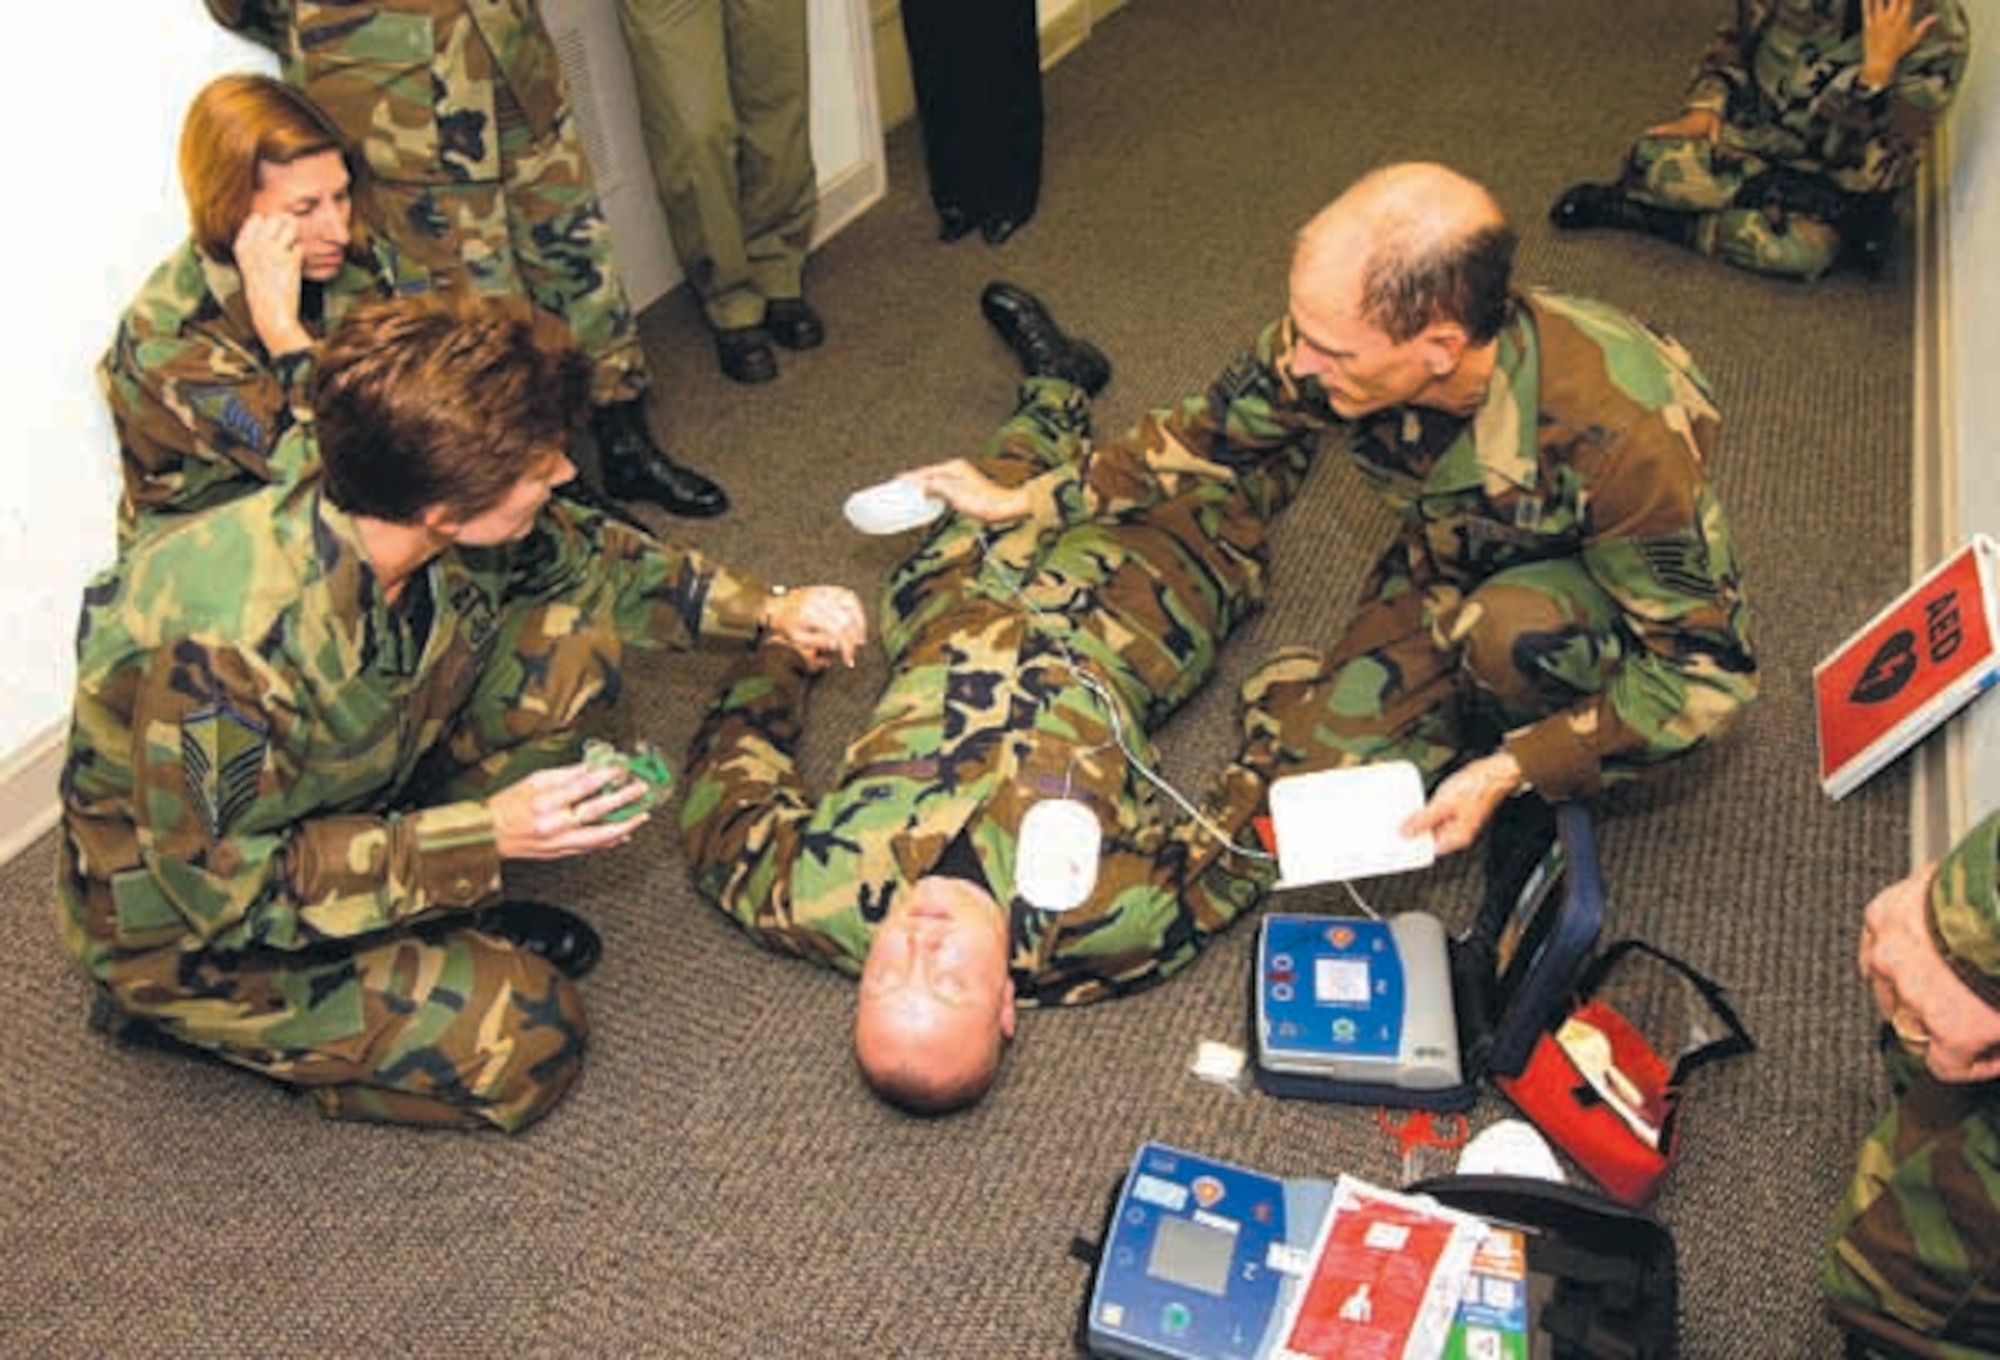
pixel 294 369
pixel 455 857
pixel 735 605
pixel 1554 760
pixel 1707 99
pixel 1057 497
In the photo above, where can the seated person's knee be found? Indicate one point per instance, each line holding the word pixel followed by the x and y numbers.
pixel 535 1051
pixel 1499 629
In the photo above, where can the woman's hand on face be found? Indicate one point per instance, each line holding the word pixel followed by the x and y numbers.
pixel 272 263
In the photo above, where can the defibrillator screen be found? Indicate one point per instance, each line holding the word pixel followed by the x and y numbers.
pixel 1341 982
pixel 1192 1253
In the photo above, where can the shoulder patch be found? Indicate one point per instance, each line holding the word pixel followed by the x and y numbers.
pixel 222 756
pixel 1680 564
pixel 222 406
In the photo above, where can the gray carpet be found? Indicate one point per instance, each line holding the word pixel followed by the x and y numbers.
pixel 719 1184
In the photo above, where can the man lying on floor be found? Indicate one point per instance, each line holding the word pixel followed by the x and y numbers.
pixel 1078 595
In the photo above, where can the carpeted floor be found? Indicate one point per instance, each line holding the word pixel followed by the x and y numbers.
pixel 719 1185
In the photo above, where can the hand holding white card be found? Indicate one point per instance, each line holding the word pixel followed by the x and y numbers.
pixel 1335 825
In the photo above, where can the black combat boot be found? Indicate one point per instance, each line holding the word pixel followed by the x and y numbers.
pixel 637 469
pixel 579 492
pixel 1605 205
pixel 794 324
pixel 1044 351
pixel 556 934
pixel 560 936
pixel 1868 232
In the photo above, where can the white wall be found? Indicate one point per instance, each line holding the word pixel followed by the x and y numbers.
pixel 94 204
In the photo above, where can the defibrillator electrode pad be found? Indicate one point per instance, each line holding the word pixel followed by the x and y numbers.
pixel 1335 825
pixel 1055 857
pixel 891 507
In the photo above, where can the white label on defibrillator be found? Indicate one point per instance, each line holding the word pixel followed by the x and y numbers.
pixel 1286 1259
pixel 1169 1195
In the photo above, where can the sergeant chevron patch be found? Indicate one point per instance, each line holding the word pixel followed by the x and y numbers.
pixel 222 755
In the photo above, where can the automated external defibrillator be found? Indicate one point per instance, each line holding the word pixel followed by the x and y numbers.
pixel 1396 1012
pixel 1202 1259
pixel 1199 1257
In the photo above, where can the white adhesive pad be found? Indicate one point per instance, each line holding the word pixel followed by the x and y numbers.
pixel 891 507
pixel 1055 860
pixel 1336 825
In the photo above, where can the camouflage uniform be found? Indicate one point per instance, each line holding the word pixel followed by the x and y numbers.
pixel 1914 1262
pixel 479 174
pixel 1782 78
pixel 270 797
pixel 1015 658
pixel 1564 578
pixel 202 411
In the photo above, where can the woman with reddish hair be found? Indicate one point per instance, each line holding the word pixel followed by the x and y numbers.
pixel 208 374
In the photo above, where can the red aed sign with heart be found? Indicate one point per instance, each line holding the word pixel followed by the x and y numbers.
pixel 1915 662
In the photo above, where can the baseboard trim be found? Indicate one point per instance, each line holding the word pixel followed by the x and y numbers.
pixel 1064 32
pixel 28 805
pixel 1940 784
pixel 845 197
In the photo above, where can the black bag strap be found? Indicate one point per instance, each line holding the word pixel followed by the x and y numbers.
pixel 1733 1037
pixel 1091 1253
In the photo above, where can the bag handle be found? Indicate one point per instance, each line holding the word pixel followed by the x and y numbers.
pixel 1734 1039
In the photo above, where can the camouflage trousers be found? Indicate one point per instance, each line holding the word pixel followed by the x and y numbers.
pixel 538 231
pixel 1433 676
pixel 1913 1268
pixel 1691 175
pixel 458 1030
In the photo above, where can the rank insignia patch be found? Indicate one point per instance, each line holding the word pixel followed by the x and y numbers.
pixel 222 753
pixel 226 409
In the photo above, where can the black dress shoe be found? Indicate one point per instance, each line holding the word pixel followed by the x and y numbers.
pixel 794 324
pixel 745 354
pixel 1044 351
pixel 954 224
pixel 560 936
pixel 998 230
pixel 637 469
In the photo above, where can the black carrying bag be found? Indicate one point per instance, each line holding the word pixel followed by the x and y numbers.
pixel 1603 1279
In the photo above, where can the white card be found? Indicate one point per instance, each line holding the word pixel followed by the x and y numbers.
pixel 1334 825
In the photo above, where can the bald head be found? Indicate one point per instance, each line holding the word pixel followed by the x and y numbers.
pixel 936 1004
pixel 1418 244
pixel 925 1057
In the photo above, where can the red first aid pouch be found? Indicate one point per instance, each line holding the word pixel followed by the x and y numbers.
pixel 1605 1083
